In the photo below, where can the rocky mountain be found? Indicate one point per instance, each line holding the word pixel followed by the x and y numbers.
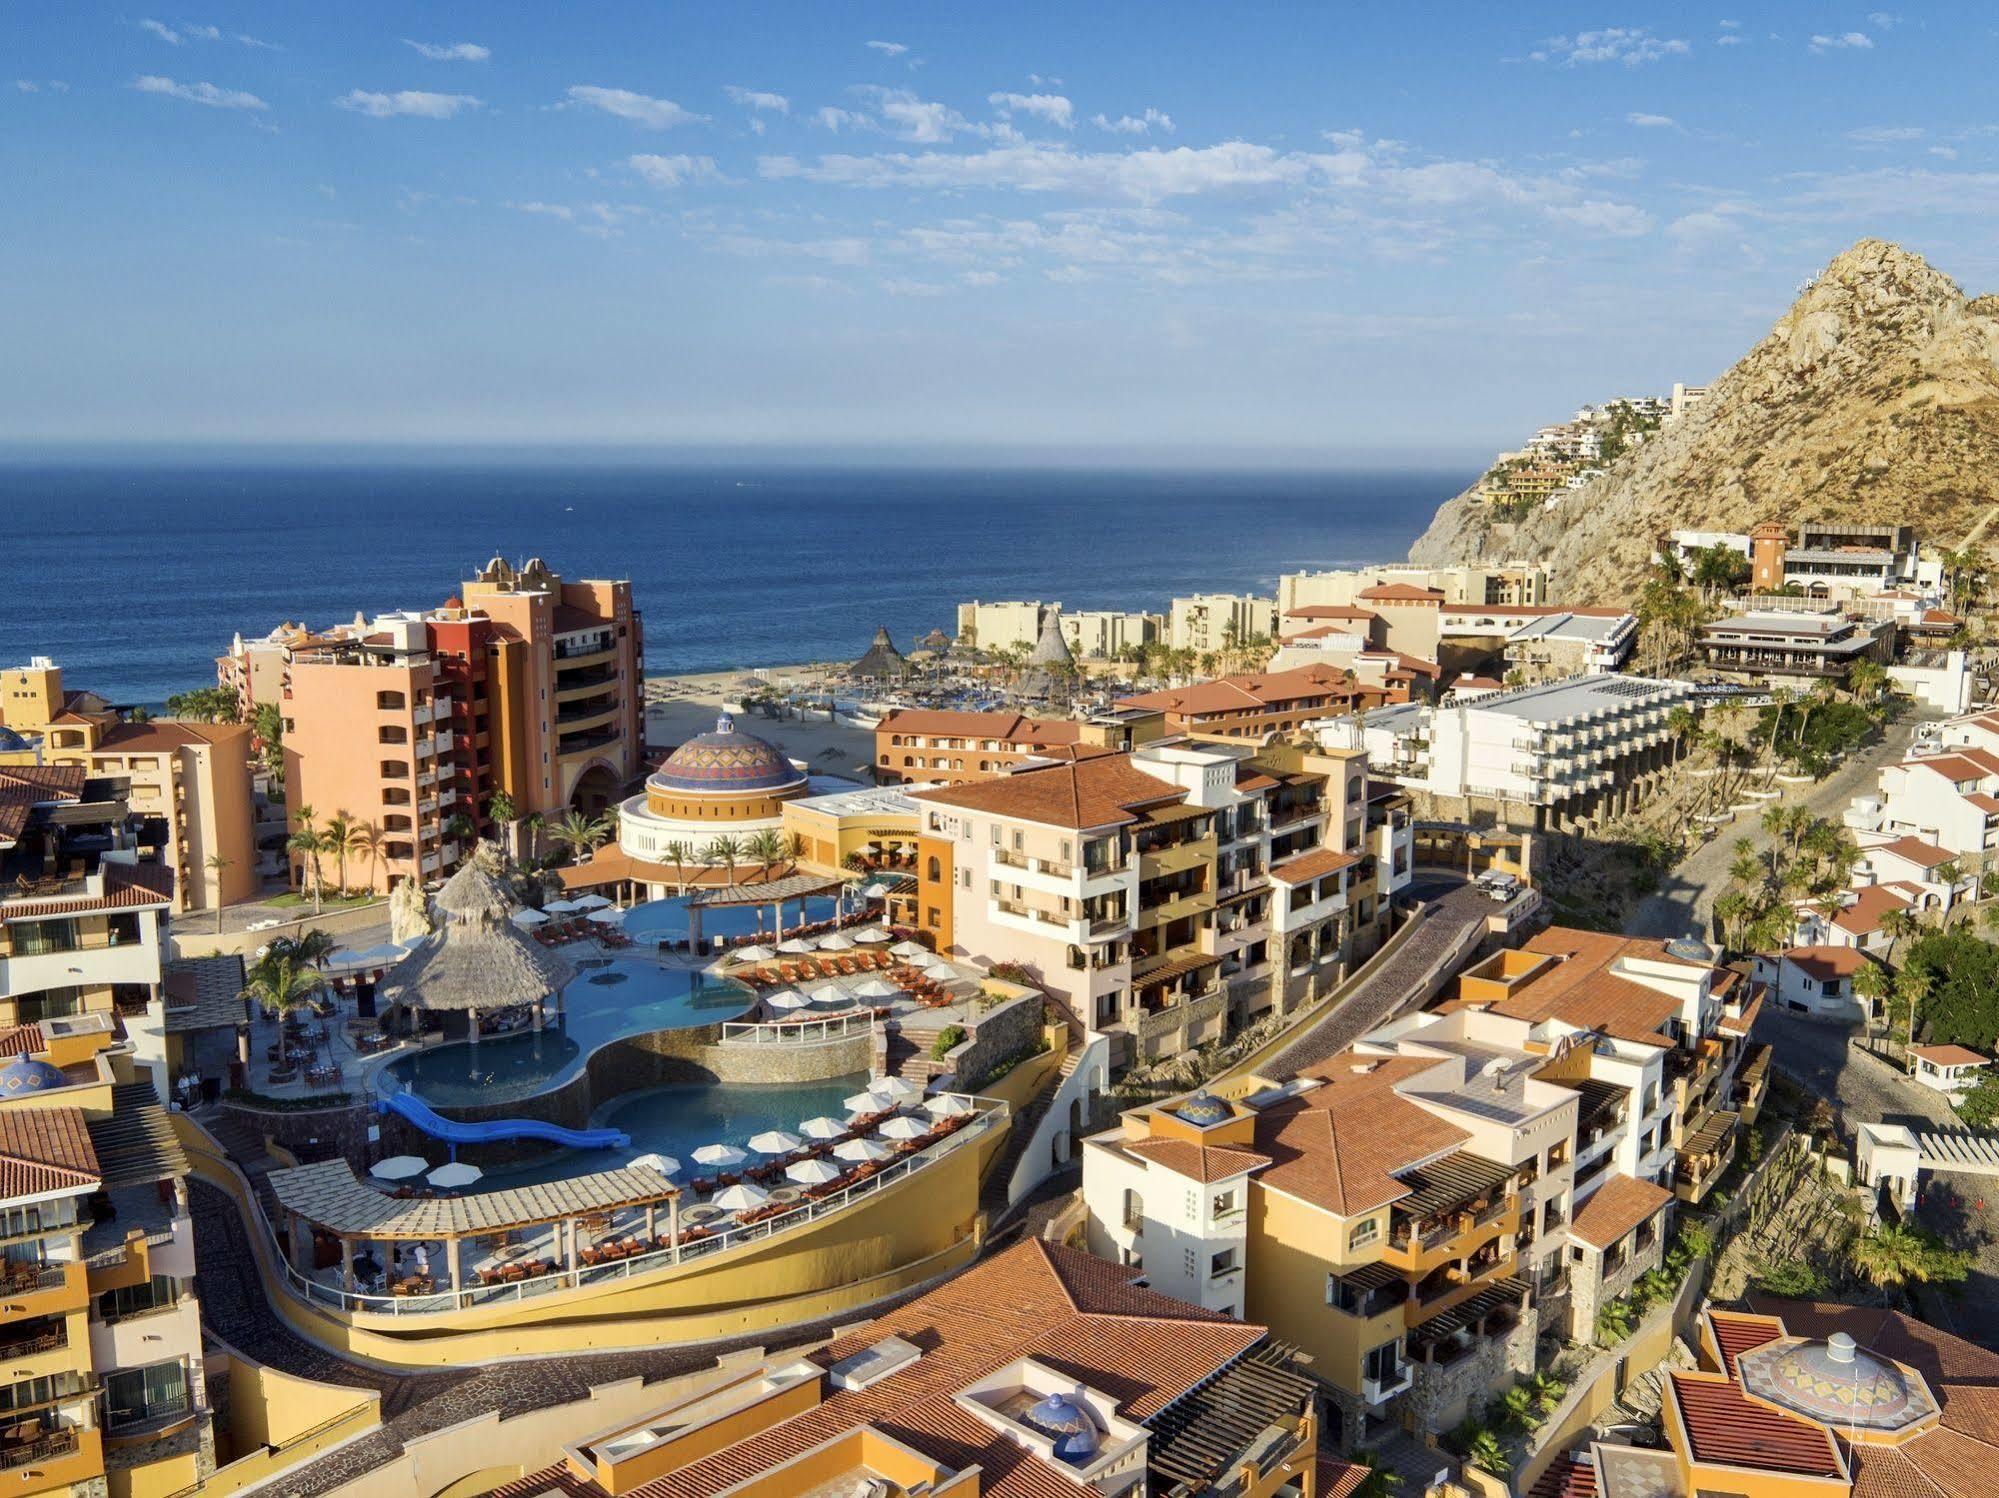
pixel 1875 398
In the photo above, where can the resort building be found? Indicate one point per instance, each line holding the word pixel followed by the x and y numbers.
pixel 1041 1371
pixel 1510 583
pixel 1793 646
pixel 1795 1397
pixel 1835 561
pixel 1946 792
pixel 1256 704
pixel 1950 1069
pixel 1411 617
pixel 1554 755
pixel 952 747
pixel 1816 982
pixel 81 919
pixel 1002 626
pixel 709 798
pixel 1158 895
pixel 1210 622
pixel 1105 634
pixel 1569 642
pixel 64 725
pixel 526 684
pixel 190 785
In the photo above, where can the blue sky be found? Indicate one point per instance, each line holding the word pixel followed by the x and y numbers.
pixel 1268 229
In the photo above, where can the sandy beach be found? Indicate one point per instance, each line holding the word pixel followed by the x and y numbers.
pixel 694 699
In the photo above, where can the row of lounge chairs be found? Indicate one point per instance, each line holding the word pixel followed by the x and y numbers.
pixel 814 969
pixel 580 928
pixel 814 928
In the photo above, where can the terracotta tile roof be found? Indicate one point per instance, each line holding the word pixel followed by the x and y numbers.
pixel 1615 1208
pixel 1205 1163
pixel 126 887
pixel 1569 1476
pixel 1339 1478
pixel 23 1040
pixel 165 733
pixel 1983 802
pixel 1727 1428
pixel 1268 690
pixel 43 1150
pixel 1339 1145
pixel 1314 865
pixel 1958 766
pixel 1401 593
pixel 1736 1332
pixel 1253 781
pixel 24 787
pixel 1009 728
pixel 1329 611
pixel 1078 1314
pixel 1825 963
pixel 1863 916
pixel 1949 1055
pixel 1746 1022
pixel 1107 791
pixel 1581 990
pixel 1915 850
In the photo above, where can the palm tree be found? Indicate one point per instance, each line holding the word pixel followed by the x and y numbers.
pixel 580 835
pixel 312 945
pixel 365 841
pixel 532 825
pixel 766 847
pixel 724 850
pixel 339 829
pixel 216 864
pixel 458 828
pixel 1896 1254
pixel 1780 699
pixel 308 845
pixel 1897 924
pixel 283 983
pixel 1865 679
pixel 680 855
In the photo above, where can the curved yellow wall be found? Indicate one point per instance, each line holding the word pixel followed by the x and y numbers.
pixel 680 806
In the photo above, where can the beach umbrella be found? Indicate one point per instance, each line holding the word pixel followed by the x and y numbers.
pixel 753 954
pixel 457 1173
pixel 831 993
pixel 876 988
pixel 528 919
pixel 398 1168
pixel 902 1126
pixel 787 998
pixel 822 1128
pixel 345 957
pixel 774 1142
pixel 895 1089
pixel 835 942
pixel 666 1165
pixel 740 1197
pixel 942 972
pixel 874 936
pixel 859 1150
pixel 723 1156
pixel 864 1102
pixel 910 949
pixel 873 891
pixel 589 902
pixel 812 1172
pixel 560 907
pixel 610 916
pixel 946 1105
pixel 795 945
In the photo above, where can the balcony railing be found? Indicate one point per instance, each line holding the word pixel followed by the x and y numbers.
pixel 51 1447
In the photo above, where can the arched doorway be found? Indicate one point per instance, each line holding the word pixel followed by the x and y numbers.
pixel 596 790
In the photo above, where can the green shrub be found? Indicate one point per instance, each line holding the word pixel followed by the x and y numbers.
pixel 948 1040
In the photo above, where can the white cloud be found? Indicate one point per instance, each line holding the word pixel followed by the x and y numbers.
pixel 1885 135
pixel 1731 25
pixel 1856 40
pixel 1126 124
pixel 674 171
pixel 1884 19
pixel 202 33
pixel 1630 45
pixel 837 120
pixel 756 98
pixel 1053 108
pixel 1651 121
pixel 922 120
pixel 161 30
pixel 199 93
pixel 981 278
pixel 902 287
pixel 640 109
pixel 1948 153
pixel 450 51
pixel 1728 39
pixel 889 49
pixel 409 101
pixel 262 46
pixel 27 85
pixel 548 210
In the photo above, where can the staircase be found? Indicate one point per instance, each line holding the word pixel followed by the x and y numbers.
pixel 909 1057
pixel 245 1143
pixel 993 1192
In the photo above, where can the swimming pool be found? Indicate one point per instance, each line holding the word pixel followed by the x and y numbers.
pixel 666 920
pixel 619 997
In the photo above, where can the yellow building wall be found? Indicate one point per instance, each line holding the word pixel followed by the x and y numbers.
pixel 1291 1248
pixel 935 895
pixel 172 1474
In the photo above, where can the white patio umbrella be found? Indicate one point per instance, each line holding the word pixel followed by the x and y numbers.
pixel 721 1155
pixel 822 1128
pixel 864 1102
pixel 902 1126
pixel 398 1168
pixel 527 920
pixel 831 993
pixel 666 1165
pixel 345 957
pixel 812 1172
pixel 560 907
pixel 740 1197
pixel 610 916
pixel 835 942
pixel 909 949
pixel 787 998
pixel 873 891
pixel 457 1173
pixel 873 936
pixel 383 955
pixel 589 902
pixel 895 1089
pixel 753 953
pixel 859 1150
pixel 795 945
pixel 946 1105
pixel 942 972
pixel 775 1142
pixel 876 988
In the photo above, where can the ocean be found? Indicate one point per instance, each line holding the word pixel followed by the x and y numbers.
pixel 135 576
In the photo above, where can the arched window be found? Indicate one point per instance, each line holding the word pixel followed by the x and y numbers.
pixel 936 869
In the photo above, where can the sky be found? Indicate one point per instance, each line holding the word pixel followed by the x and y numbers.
pixel 1267 230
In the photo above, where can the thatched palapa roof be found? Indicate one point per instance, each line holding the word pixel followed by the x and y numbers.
pixel 477 959
pixel 882 658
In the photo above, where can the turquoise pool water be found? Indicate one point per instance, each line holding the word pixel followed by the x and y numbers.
pixel 666 920
pixel 621 997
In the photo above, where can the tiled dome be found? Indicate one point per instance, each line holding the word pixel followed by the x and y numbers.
pixel 726 760
pixel 1204 1108
pixel 1065 1423
pixel 1836 1384
pixel 24 1074
pixel 14 743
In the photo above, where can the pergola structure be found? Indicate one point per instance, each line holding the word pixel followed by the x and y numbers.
pixel 776 893
pixel 329 1198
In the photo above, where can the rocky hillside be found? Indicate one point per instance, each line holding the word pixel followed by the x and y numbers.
pixel 1876 397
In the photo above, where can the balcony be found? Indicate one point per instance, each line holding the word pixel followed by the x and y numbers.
pixel 1396 1381
pixel 1705 1156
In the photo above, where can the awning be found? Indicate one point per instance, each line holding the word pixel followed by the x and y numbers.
pixel 1169 970
pixel 328 1195
pixel 1507 1294
pixel 1447 1184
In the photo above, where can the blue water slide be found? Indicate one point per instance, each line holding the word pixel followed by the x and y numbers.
pixel 408 1106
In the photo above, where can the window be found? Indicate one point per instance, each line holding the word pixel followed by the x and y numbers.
pixel 1189 1262
pixel 1221 1263
pixel 936 869
pixel 1363 1233
pixel 965 878
pixel 1223 1203
pixel 38 938
pixel 159 1293
pixel 50 1003
pixel 135 1396
pixel 935 918
pixel 1383 1364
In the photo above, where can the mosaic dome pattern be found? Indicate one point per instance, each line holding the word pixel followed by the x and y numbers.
pixel 726 760
pixel 1836 1386
pixel 1064 1422
pixel 1204 1108
pixel 24 1074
